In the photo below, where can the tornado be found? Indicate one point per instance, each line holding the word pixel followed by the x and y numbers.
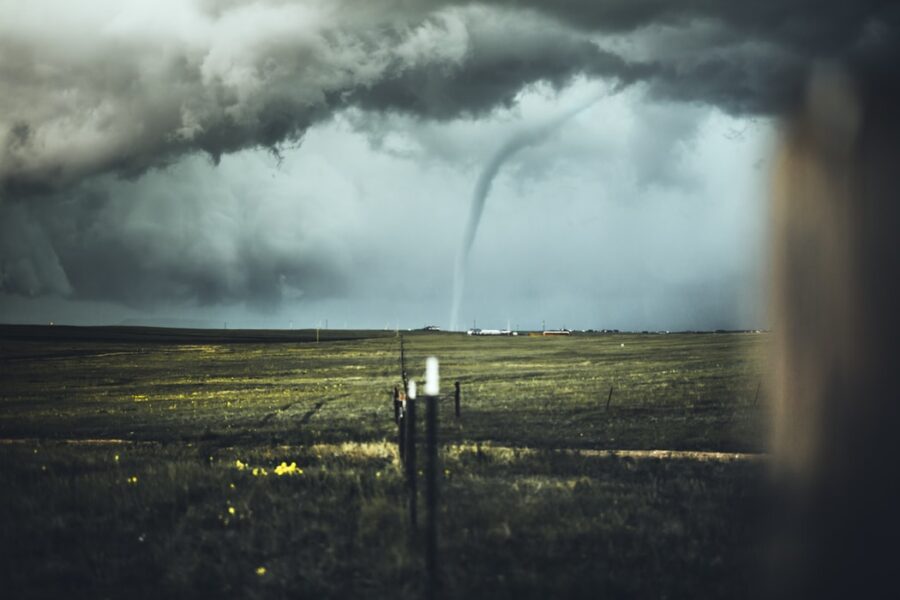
pixel 523 138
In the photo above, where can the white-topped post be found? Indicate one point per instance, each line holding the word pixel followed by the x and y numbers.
pixel 432 389
pixel 432 377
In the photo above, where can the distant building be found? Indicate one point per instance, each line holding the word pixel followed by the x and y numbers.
pixel 491 332
pixel 431 328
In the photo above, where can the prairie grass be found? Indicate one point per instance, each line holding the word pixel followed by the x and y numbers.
pixel 270 470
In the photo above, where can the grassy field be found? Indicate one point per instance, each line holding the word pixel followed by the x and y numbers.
pixel 159 463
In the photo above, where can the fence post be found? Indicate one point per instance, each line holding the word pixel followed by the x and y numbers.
pixel 403 375
pixel 609 398
pixel 432 390
pixel 396 405
pixel 411 454
pixel 456 398
pixel 401 436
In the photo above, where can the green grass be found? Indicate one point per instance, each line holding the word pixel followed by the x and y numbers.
pixel 529 508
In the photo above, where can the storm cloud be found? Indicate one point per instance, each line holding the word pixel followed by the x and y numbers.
pixel 125 86
pixel 106 107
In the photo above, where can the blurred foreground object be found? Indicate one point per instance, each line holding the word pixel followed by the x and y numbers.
pixel 835 314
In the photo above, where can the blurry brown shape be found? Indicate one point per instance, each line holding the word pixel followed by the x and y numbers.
pixel 836 407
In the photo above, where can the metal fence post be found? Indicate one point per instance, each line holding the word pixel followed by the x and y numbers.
pixel 411 475
pixel 396 405
pixel 432 390
pixel 401 436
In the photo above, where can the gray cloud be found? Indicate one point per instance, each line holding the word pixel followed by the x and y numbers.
pixel 100 104
pixel 29 264
pixel 122 91
pixel 169 239
pixel 503 53
pixel 370 237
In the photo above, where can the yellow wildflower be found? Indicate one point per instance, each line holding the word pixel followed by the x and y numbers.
pixel 288 469
pixel 259 472
pixel 260 571
pixel 239 465
pixel 133 480
pixel 231 510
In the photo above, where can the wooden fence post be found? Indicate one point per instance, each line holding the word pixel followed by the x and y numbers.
pixel 609 398
pixel 456 398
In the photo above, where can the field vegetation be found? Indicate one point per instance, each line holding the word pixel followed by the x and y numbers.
pixel 160 463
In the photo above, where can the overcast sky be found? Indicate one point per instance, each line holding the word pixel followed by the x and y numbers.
pixel 276 163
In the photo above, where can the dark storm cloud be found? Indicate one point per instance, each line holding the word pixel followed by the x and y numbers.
pixel 502 57
pixel 107 89
pixel 117 96
pixel 811 24
pixel 114 102
pixel 748 57
pixel 744 57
